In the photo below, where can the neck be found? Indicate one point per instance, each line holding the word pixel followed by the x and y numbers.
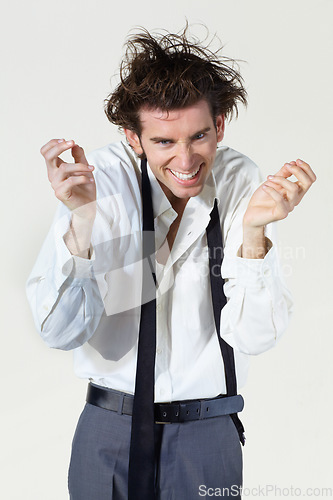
pixel 179 205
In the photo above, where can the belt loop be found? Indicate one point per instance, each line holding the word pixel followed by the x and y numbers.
pixel 120 403
pixel 202 409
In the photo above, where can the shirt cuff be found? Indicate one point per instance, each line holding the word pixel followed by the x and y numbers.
pixel 252 273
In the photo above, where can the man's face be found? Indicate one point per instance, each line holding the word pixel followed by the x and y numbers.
pixel 180 147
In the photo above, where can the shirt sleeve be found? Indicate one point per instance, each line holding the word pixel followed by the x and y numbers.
pixel 259 304
pixel 63 290
pixel 68 295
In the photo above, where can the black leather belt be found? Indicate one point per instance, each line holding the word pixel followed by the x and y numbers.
pixel 166 413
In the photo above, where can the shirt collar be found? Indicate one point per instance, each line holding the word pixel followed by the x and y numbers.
pixel 208 194
pixel 160 202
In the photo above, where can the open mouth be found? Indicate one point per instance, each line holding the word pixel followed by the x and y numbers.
pixel 186 177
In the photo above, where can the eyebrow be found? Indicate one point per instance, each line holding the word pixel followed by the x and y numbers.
pixel 159 139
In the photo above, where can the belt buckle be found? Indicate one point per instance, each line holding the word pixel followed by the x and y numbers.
pixel 164 410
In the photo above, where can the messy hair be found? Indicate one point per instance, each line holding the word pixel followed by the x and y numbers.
pixel 170 71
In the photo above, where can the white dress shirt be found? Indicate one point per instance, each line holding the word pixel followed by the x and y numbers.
pixel 92 306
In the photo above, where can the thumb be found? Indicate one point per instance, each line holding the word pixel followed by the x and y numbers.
pixel 78 155
pixel 284 171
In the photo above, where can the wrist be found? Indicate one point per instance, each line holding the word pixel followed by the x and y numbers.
pixel 85 214
pixel 78 238
pixel 254 242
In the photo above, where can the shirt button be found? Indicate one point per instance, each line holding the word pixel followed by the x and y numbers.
pixel 159 351
pixel 158 307
pixel 267 271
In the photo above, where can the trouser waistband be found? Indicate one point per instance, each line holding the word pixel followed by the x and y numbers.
pixel 166 413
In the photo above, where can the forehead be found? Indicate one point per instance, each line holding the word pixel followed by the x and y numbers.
pixel 194 117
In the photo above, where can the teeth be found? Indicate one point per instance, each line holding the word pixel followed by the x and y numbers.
pixel 185 177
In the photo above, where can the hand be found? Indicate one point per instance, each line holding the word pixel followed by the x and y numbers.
pixel 278 196
pixel 73 183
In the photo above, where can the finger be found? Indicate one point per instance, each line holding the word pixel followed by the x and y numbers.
pixel 283 207
pixel 284 171
pixel 278 197
pixel 302 176
pixel 292 194
pixel 64 190
pixel 52 152
pixel 49 145
pixel 59 143
pixel 74 169
pixel 78 155
pixel 270 178
pixel 305 166
pixel 66 170
pixel 290 187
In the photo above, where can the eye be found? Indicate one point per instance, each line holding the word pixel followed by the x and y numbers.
pixel 199 136
pixel 164 142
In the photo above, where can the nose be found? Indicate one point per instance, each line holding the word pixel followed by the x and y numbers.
pixel 185 156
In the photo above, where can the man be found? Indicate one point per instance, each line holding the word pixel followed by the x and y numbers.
pixel 129 277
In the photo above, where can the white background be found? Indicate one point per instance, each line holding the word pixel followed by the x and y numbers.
pixel 56 63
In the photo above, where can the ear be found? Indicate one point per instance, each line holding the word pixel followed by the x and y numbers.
pixel 134 141
pixel 220 124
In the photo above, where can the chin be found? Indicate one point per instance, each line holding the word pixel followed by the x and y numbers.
pixel 188 193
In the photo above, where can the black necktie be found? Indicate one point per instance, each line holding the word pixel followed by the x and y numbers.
pixel 141 478
pixel 215 250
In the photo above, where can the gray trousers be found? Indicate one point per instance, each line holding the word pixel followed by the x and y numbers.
pixel 194 459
